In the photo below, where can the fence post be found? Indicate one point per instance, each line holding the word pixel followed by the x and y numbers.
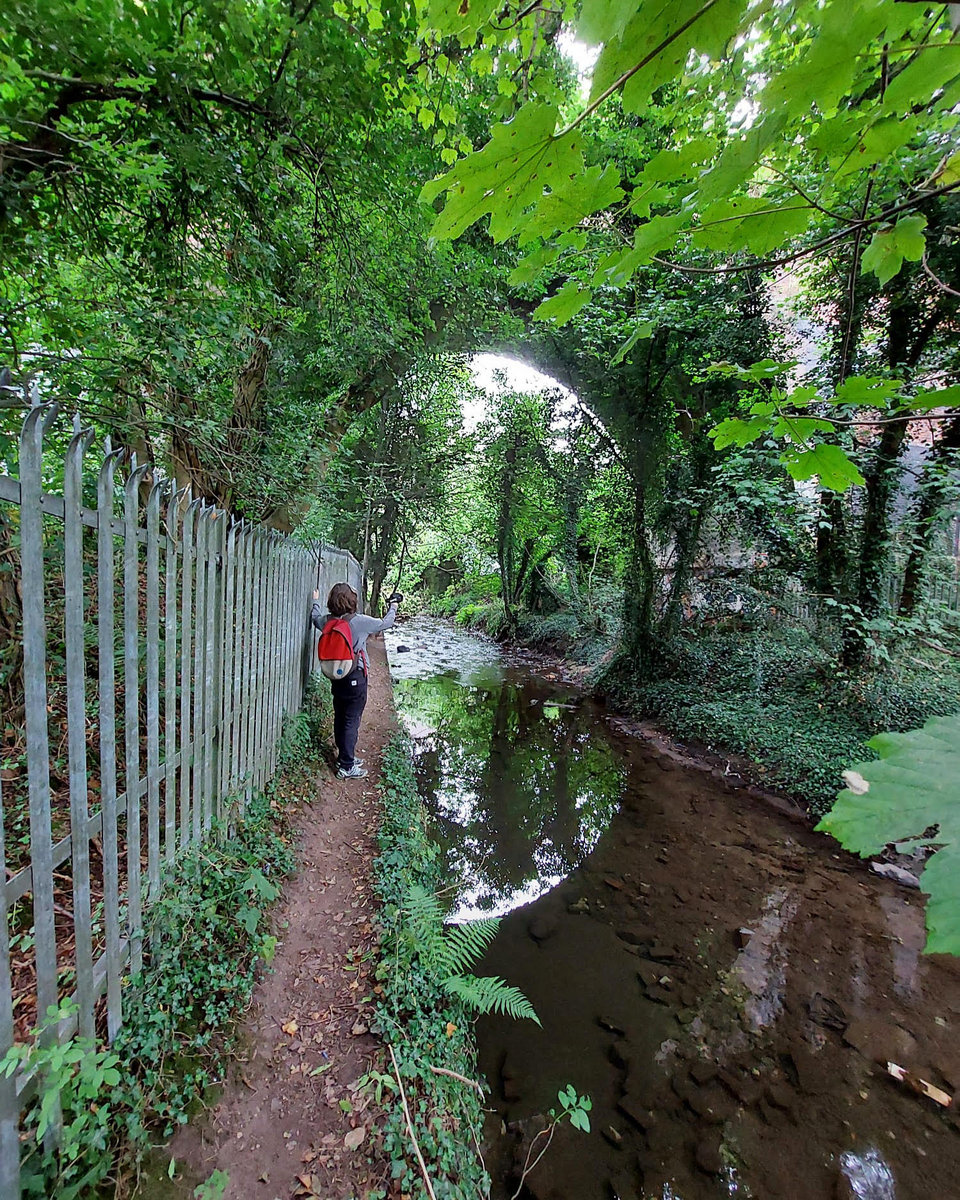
pixel 9 1107
pixel 170 678
pixel 131 704
pixel 209 665
pixel 239 725
pixel 35 706
pixel 77 724
pixel 108 736
pixel 260 585
pixel 187 798
pixel 152 635
pixel 200 543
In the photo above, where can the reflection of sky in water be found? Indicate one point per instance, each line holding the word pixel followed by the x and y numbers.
pixel 520 789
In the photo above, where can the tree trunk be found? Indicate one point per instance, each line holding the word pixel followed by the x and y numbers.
pixel 638 602
pixel 936 479
pixel 831 545
pixel 688 539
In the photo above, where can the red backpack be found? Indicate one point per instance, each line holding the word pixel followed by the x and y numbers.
pixel 335 649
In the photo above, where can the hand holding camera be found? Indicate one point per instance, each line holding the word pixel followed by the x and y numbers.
pixel 395 598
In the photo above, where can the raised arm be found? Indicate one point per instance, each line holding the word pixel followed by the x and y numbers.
pixel 364 624
pixel 317 615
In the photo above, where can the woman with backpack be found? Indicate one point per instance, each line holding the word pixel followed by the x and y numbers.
pixel 343 659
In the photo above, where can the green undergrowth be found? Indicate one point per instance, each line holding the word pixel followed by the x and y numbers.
pixel 204 940
pixel 423 1023
pixel 586 633
pixel 777 696
pixel 771 692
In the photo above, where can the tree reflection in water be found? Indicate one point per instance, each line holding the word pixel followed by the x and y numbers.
pixel 520 786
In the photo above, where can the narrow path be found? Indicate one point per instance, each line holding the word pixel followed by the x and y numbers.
pixel 290 1118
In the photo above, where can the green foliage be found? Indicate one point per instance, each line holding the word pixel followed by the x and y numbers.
pixel 213 1188
pixel 819 114
pixel 426 1024
pixel 911 796
pixel 575 1108
pixel 889 247
pixel 73 1082
pixel 785 418
pixel 774 694
pixel 204 939
pixel 449 951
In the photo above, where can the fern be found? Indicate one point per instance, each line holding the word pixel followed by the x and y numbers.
pixel 487 993
pixel 464 944
pixel 450 951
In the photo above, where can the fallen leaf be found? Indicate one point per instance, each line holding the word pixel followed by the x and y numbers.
pixel 355 1137
pixel 451 1029
pixel 308 1156
pixel 291 1027
pixel 359 1029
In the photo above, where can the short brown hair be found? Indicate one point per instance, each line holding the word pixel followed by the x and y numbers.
pixel 342 600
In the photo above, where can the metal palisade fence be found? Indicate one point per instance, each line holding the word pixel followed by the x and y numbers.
pixel 163 646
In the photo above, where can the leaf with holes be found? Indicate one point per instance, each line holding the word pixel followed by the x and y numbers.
pixel 912 796
pixel 571 201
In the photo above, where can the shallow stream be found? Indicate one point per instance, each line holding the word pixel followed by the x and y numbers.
pixel 726 985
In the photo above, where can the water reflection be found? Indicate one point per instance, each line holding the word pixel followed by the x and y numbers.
pixel 521 784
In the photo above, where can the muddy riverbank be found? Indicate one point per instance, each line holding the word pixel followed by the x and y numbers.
pixel 725 984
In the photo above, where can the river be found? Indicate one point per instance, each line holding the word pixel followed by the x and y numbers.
pixel 724 984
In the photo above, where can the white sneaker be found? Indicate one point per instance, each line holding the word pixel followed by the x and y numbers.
pixel 355 772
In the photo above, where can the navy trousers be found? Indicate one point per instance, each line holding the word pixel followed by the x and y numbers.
pixel 349 700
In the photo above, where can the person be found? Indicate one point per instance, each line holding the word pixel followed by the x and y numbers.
pixel 350 693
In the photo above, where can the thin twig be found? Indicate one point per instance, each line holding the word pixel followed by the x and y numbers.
pixel 454 1075
pixel 767 264
pixel 627 75
pixel 936 279
pixel 413 1136
pixel 528 1166
pixel 937 646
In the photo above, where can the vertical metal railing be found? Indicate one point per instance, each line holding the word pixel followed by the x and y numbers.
pixel 165 666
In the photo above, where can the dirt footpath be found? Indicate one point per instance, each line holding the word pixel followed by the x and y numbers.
pixel 291 1121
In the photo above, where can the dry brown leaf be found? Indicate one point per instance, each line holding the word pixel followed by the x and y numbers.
pixel 291 1027
pixel 354 1138
pixel 359 1029
pixel 451 1029
pixel 308 1156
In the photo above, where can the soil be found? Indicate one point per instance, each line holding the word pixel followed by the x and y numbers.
pixel 291 1121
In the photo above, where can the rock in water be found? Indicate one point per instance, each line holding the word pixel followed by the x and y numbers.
pixel 542 927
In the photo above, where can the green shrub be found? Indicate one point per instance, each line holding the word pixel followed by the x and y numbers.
pixel 203 940
pixel 776 696
pixel 425 1025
